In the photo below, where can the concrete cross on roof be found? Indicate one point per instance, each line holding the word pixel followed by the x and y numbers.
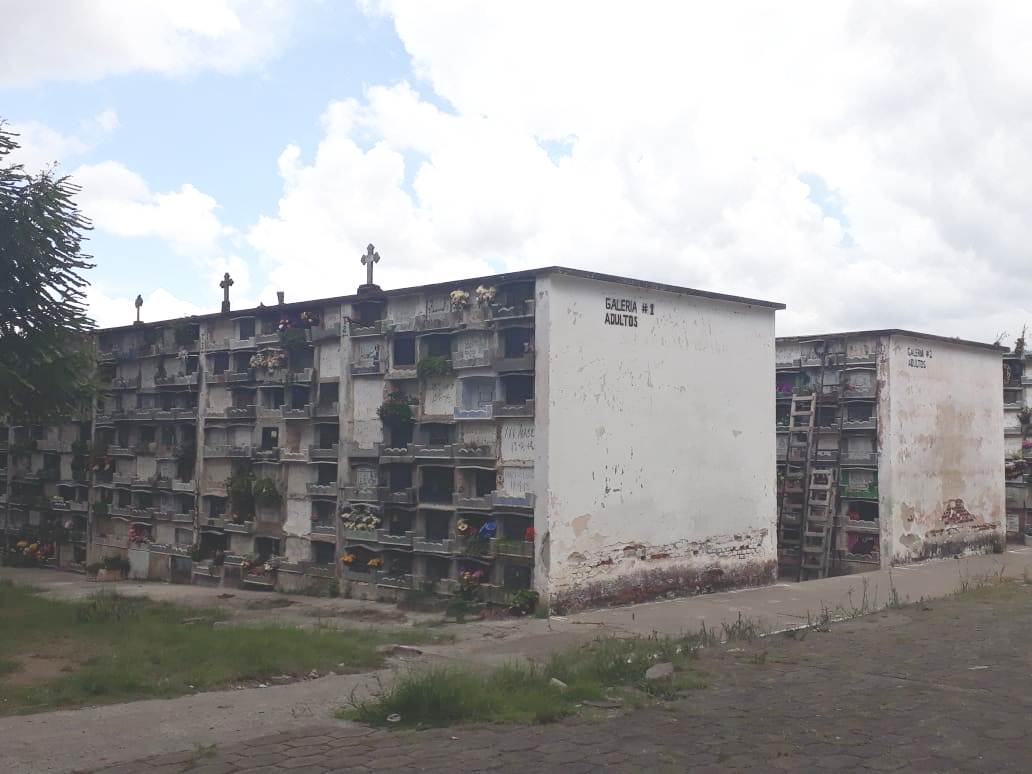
pixel 370 257
pixel 226 284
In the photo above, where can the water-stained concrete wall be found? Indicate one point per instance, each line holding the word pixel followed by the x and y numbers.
pixel 655 443
pixel 941 480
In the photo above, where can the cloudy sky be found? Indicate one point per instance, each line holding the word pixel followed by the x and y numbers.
pixel 867 163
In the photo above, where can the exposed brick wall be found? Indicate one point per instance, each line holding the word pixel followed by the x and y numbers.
pixel 634 572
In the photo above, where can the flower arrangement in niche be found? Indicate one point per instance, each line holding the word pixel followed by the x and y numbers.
pixel 268 360
pixel 459 300
pixel 485 294
pixel 469 582
pixel 374 564
pixel 348 559
pixel 360 518
pixel 368 522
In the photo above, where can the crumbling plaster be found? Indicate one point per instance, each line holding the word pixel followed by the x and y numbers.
pixel 658 437
pixel 941 477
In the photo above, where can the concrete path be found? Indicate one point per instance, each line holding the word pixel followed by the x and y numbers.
pixel 942 686
pixel 788 605
pixel 772 608
pixel 93 737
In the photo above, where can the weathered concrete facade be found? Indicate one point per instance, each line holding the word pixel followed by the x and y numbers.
pixel 942 491
pixel 877 457
pixel 44 492
pixel 657 449
pixel 1017 432
pixel 551 429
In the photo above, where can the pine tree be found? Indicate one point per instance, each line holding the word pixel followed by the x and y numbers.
pixel 45 348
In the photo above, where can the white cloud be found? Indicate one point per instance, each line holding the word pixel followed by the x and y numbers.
pixel 41 146
pixel 44 40
pixel 119 201
pixel 692 130
pixel 105 121
pixel 110 311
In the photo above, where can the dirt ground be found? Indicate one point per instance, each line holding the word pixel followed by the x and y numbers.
pixel 242 606
pixel 936 686
pixel 235 720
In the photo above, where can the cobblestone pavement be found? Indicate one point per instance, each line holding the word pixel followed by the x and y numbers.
pixel 939 686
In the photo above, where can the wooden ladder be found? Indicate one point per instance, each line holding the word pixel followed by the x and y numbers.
pixel 801 424
pixel 818 527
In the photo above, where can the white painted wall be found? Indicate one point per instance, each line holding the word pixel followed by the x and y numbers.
pixel 472 344
pixel 865 347
pixel 220 328
pixel 404 308
pixel 1010 419
pixel 330 315
pixel 439 396
pixel 368 397
pixel 479 433
pixel 216 471
pixel 942 441
pixel 655 444
pixel 787 352
pixel 329 359
pixel 298 522
pixel 146 466
pixel 297 478
pixel 219 398
pixel 517 440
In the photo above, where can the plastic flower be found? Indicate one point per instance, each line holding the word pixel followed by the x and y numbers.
pixel 459 299
pixel 374 564
pixel 348 558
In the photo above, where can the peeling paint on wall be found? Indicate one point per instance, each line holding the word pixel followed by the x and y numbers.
pixel 942 487
pixel 660 455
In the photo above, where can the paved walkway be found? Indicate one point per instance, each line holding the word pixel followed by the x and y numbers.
pixel 65 740
pixel 939 686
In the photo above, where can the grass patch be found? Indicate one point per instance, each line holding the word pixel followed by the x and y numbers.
pixel 126 648
pixel 531 692
pixel 270 603
pixel 205 751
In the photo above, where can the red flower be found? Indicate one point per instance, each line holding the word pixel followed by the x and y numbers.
pixel 528 535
